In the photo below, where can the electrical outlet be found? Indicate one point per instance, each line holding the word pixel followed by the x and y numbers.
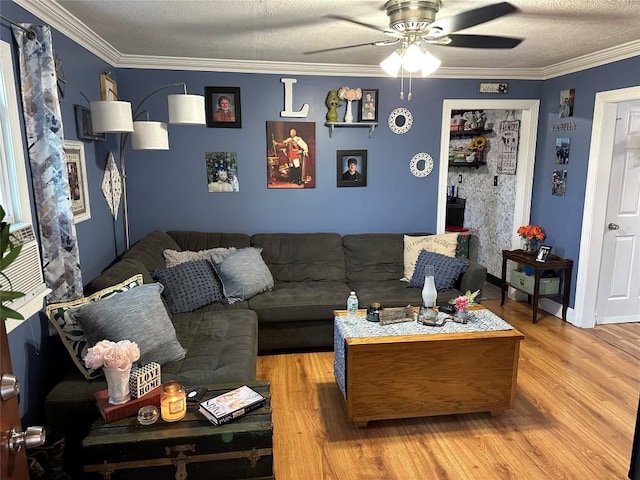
pixel 495 181
pixel 459 178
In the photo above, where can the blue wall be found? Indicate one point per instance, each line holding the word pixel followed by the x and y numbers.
pixel 167 190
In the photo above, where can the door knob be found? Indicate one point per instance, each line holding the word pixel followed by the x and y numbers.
pixel 613 226
pixel 9 386
pixel 33 437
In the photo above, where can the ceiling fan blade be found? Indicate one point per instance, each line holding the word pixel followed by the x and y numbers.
pixel 370 44
pixel 470 18
pixel 481 41
pixel 386 31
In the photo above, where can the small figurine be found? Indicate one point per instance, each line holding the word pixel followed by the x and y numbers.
pixel 333 102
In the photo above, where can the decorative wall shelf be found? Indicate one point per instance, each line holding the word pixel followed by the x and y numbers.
pixel 370 125
pixel 467 164
pixel 468 133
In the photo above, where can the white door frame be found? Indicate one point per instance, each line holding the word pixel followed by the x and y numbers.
pixel 526 155
pixel 595 201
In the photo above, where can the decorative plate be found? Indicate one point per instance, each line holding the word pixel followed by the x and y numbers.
pixel 415 161
pixel 400 121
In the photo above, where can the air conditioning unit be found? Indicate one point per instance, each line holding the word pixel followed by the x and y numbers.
pixel 25 273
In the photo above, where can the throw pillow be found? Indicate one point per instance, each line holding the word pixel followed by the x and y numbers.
pixel 137 315
pixel 244 274
pixel 444 243
pixel 71 334
pixel 174 257
pixel 189 285
pixel 446 270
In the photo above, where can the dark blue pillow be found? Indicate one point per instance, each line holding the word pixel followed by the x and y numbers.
pixel 446 270
pixel 189 286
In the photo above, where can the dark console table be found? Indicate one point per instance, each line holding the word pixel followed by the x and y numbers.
pixel 553 262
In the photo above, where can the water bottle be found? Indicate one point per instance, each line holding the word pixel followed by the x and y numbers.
pixel 352 306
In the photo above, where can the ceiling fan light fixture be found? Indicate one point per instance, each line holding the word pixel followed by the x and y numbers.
pixel 429 64
pixel 412 58
pixel 391 65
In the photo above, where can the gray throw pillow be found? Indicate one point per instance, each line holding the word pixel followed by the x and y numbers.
pixel 174 257
pixel 137 315
pixel 189 285
pixel 243 274
pixel 446 270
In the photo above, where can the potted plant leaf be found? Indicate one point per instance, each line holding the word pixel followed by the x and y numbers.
pixel 9 251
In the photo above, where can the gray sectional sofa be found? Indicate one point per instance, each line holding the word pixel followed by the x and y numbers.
pixel 313 275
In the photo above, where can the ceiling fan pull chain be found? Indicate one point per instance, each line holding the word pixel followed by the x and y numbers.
pixel 402 84
pixel 409 96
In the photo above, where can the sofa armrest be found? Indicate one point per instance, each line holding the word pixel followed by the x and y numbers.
pixel 474 277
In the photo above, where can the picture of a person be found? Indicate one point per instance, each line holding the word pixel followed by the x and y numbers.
pixel 224 113
pixel 222 184
pixel 368 107
pixel 352 174
pixel 296 150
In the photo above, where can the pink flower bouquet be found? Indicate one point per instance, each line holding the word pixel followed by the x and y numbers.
pixel 350 94
pixel 110 354
pixel 462 303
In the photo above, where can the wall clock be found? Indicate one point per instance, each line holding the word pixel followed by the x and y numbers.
pixel 421 164
pixel 400 121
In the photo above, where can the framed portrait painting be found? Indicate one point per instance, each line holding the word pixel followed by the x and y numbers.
pixel 77 177
pixel 84 128
pixel 368 106
pixel 223 107
pixel 108 88
pixel 351 168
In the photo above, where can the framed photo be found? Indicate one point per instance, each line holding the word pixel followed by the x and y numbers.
pixel 77 176
pixel 368 106
pixel 562 150
pixel 567 100
pixel 543 253
pixel 108 88
pixel 291 154
pixel 490 87
pixel 223 107
pixel 84 128
pixel 352 168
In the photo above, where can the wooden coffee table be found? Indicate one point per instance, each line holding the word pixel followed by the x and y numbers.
pixel 408 370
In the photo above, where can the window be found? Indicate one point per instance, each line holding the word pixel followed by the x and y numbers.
pixel 14 196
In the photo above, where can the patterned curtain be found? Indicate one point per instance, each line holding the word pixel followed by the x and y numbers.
pixel 43 126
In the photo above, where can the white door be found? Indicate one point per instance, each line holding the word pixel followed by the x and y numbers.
pixel 618 297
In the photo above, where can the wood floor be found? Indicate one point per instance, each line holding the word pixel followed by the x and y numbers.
pixel 574 415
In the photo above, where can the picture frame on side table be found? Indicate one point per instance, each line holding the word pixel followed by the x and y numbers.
pixel 84 127
pixel 543 253
pixel 351 168
pixel 77 176
pixel 368 111
pixel 108 88
pixel 222 105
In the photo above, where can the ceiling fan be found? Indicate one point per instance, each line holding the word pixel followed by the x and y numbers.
pixel 413 22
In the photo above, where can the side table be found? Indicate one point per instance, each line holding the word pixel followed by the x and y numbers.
pixel 553 262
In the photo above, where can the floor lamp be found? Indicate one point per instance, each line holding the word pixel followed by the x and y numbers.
pixel 117 117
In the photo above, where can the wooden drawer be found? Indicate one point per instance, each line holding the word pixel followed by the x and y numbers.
pixel 191 449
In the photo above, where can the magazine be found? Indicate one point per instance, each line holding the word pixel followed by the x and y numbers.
pixel 231 405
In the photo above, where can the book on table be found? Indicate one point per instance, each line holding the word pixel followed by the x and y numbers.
pixel 231 405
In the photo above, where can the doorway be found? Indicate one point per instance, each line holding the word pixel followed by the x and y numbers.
pixel 594 218
pixel 528 113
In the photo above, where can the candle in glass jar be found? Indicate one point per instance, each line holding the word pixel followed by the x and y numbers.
pixel 173 404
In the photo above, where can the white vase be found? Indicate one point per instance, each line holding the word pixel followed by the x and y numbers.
pixel 118 384
pixel 348 115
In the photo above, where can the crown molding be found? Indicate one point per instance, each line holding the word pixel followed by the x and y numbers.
pixel 69 25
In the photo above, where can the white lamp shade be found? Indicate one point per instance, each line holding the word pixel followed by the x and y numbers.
pixel 111 117
pixel 429 64
pixel 412 58
pixel 186 109
pixel 150 136
pixel 391 64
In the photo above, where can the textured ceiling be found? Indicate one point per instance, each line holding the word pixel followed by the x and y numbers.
pixel 554 31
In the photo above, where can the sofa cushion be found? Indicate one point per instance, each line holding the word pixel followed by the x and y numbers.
pixel 71 333
pixel 446 270
pixel 174 257
pixel 189 285
pixel 302 257
pixel 150 250
pixel 190 240
pixel 445 244
pixel 243 273
pixel 373 256
pixel 137 315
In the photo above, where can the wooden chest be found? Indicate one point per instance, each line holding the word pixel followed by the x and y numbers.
pixel 191 449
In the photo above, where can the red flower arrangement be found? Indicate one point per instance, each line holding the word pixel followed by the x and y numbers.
pixel 531 232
